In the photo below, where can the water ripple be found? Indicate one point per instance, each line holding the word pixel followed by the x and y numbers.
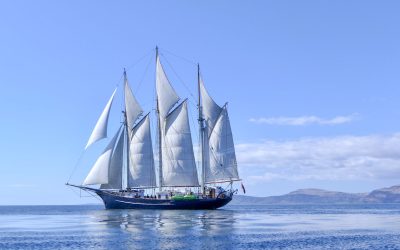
pixel 235 227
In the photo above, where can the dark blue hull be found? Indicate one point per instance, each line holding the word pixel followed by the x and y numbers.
pixel 115 201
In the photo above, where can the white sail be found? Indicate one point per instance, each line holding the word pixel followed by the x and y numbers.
pixel 179 167
pixel 115 167
pixel 166 94
pixel 222 165
pixel 141 169
pixel 100 130
pixel 132 107
pixel 219 151
pixel 99 174
pixel 211 110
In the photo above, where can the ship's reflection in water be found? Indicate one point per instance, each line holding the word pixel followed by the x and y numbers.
pixel 357 226
pixel 171 229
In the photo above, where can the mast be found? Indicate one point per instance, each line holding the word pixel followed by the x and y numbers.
pixel 127 138
pixel 201 128
pixel 159 138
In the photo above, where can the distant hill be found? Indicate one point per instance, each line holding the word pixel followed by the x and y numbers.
pixel 384 195
pixel 320 196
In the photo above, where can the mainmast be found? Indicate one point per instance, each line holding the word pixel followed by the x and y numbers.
pixel 127 137
pixel 201 128
pixel 159 138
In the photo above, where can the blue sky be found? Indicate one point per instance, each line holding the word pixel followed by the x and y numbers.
pixel 313 86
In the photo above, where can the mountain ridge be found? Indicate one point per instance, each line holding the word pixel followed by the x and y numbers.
pixel 321 196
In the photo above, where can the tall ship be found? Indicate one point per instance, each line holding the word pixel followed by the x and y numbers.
pixel 126 176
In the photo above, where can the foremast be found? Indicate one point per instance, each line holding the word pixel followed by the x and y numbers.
pixel 159 138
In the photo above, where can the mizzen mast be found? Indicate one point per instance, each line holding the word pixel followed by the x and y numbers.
pixel 201 132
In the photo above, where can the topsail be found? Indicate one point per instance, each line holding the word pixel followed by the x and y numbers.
pixel 132 107
pixel 166 94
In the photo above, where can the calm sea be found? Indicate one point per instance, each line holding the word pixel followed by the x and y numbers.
pixel 234 227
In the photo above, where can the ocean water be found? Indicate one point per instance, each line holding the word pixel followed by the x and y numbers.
pixel 233 227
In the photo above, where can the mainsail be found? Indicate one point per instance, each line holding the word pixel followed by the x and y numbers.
pixel 179 166
pixel 219 151
pixel 141 168
pixel 100 130
pixel 99 174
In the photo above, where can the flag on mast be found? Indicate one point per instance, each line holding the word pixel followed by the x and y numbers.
pixel 243 189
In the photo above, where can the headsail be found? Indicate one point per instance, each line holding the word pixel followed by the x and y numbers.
pixel 219 150
pixel 100 130
pixel 179 167
pixel 141 169
pixel 166 94
pixel 132 107
pixel 99 174
pixel 115 167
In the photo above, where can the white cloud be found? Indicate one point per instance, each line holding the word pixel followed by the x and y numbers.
pixel 333 158
pixel 304 120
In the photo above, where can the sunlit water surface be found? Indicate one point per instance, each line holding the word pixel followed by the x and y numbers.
pixel 233 227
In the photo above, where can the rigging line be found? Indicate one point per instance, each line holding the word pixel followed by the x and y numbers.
pixel 95 196
pixel 196 133
pixel 139 60
pixel 76 165
pixel 74 191
pixel 119 80
pixel 144 74
pixel 191 102
pixel 179 78
pixel 180 57
pixel 151 170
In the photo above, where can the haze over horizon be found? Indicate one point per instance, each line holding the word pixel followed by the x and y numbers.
pixel 313 87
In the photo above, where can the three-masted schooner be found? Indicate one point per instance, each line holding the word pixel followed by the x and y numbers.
pixel 177 183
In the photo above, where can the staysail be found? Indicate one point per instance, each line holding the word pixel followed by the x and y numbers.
pixel 219 150
pixel 115 167
pixel 106 163
pixel 100 130
pixel 179 166
pixel 141 168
